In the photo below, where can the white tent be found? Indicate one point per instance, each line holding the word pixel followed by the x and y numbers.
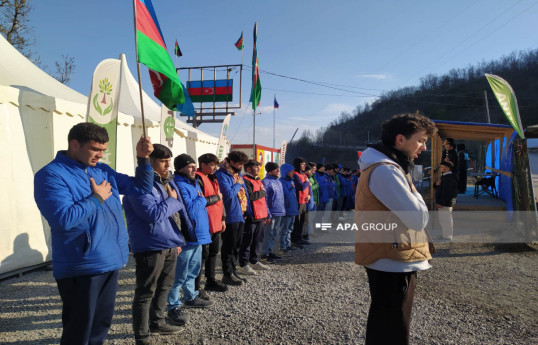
pixel 36 114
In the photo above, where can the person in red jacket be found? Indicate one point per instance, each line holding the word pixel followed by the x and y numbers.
pixel 208 164
pixel 251 243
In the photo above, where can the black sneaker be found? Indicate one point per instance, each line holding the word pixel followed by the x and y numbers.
pixel 177 317
pixel 270 260
pixel 303 242
pixel 203 295
pixel 144 341
pixel 231 280
pixel 297 245
pixel 214 285
pixel 264 257
pixel 274 256
pixel 240 277
pixel 165 329
pixel 198 303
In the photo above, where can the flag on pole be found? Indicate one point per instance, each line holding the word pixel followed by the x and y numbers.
pixel 152 52
pixel 239 44
pixel 186 108
pixel 256 93
pixel 275 104
pixel 507 99
pixel 177 51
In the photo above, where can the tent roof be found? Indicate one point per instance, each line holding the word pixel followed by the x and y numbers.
pixel 472 130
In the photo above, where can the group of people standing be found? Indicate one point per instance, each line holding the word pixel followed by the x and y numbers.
pixel 177 221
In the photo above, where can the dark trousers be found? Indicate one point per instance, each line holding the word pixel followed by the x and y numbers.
pixel 88 307
pixel 210 252
pixel 390 311
pixel 299 225
pixel 155 272
pixel 251 244
pixel 231 241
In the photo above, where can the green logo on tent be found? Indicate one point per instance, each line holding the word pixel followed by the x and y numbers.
pixel 105 88
pixel 169 126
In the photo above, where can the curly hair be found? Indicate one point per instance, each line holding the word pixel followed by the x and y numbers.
pixel 407 125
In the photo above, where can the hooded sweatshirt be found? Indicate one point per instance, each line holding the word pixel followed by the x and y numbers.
pixel 389 185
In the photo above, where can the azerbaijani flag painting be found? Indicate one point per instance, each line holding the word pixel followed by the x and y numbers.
pixel 152 52
pixel 256 93
pixel 211 90
pixel 239 44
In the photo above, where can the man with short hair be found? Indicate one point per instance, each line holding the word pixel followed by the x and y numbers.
pixel 290 204
pixel 235 200
pixel 446 192
pixel 302 188
pixel 154 225
pixel 277 210
pixel 386 194
pixel 257 218
pixel 189 261
pixel 207 165
pixel 79 198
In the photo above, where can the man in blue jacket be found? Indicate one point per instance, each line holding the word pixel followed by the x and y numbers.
pixel 290 204
pixel 275 204
pixel 235 198
pixel 189 261
pixel 153 221
pixel 80 199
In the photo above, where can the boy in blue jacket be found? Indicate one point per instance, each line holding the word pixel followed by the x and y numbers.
pixel 189 261
pixel 275 204
pixel 153 221
pixel 290 204
pixel 80 199
pixel 235 198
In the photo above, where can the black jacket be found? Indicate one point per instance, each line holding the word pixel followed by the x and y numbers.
pixel 447 192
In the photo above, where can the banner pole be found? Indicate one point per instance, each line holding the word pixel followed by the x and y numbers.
pixel 254 134
pixel 139 79
pixel 274 123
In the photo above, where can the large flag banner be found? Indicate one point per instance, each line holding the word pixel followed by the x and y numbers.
pixel 221 148
pixel 283 152
pixel 186 108
pixel 103 103
pixel 152 52
pixel 256 93
pixel 210 90
pixel 507 99
pixel 239 44
pixel 168 125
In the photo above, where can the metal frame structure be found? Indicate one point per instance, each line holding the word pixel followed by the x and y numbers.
pixel 214 114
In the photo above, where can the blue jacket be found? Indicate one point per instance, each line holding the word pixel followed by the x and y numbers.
pixel 195 202
pixel 324 183
pixel 149 219
pixel 346 186
pixel 332 187
pixel 290 197
pixel 87 237
pixel 229 190
pixel 275 196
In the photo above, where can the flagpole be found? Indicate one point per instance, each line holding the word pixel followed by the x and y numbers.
pixel 274 123
pixel 139 78
pixel 254 134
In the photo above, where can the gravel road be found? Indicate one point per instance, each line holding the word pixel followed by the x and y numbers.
pixel 475 294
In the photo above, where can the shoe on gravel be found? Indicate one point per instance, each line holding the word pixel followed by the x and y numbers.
pixel 198 303
pixel 246 270
pixel 259 266
pixel 231 280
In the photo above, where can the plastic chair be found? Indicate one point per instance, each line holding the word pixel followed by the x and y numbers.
pixel 486 183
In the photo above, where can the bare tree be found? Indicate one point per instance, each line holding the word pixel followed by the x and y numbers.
pixel 14 24
pixel 64 69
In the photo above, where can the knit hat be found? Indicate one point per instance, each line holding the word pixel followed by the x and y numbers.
pixel 270 166
pixel 182 161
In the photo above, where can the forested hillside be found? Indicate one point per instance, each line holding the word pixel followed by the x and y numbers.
pixel 455 96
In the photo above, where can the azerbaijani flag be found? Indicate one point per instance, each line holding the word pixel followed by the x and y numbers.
pixel 152 52
pixel 275 104
pixel 256 93
pixel 177 51
pixel 239 43
pixel 211 90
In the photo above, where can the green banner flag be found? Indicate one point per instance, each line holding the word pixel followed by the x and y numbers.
pixel 507 99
